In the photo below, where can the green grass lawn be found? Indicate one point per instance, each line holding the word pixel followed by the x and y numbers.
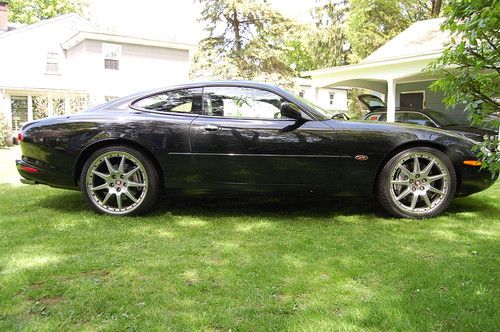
pixel 245 265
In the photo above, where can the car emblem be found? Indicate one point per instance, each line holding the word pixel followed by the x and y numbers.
pixel 361 157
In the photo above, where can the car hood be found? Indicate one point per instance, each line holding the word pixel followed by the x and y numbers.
pixel 471 132
pixel 417 130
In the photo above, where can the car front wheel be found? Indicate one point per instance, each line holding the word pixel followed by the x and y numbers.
pixel 417 183
pixel 119 180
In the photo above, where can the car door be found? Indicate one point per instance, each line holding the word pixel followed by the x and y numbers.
pixel 241 139
pixel 163 120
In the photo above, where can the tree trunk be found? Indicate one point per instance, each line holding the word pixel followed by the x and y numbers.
pixel 236 29
pixel 436 8
pixel 237 40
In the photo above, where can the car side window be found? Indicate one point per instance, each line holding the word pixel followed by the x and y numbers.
pixel 400 117
pixel 240 102
pixel 419 119
pixel 179 101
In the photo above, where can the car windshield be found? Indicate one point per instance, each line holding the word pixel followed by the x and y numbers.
pixel 318 111
pixel 443 119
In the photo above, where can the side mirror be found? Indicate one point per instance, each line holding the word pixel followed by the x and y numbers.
pixel 292 111
pixel 340 116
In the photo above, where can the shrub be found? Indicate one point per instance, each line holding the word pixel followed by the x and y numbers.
pixel 5 133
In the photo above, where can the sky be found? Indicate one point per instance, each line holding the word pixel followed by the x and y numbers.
pixel 174 20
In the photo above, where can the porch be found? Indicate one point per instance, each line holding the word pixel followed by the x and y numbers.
pixel 24 105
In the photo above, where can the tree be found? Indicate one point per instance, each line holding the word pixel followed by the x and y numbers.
pixel 329 45
pixel 297 54
pixel 470 66
pixel 246 41
pixel 32 11
pixel 322 44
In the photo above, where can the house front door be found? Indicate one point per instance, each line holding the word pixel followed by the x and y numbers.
pixel 413 100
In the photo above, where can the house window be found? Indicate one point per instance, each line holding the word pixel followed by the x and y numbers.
pixel 52 65
pixel 332 97
pixel 301 93
pixel 112 54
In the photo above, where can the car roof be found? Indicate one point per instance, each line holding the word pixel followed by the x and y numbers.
pixel 200 84
pixel 125 100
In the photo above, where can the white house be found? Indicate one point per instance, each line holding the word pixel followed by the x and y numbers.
pixel 396 70
pixel 63 64
pixel 334 99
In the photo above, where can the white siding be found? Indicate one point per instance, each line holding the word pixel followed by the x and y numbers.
pixel 23 54
pixel 141 68
pixel 23 57
pixel 321 97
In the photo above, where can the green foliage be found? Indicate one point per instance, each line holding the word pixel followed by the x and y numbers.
pixel 328 43
pixel 355 108
pixel 298 56
pixel 32 11
pixel 491 160
pixel 5 133
pixel 470 64
pixel 323 44
pixel 371 24
pixel 246 41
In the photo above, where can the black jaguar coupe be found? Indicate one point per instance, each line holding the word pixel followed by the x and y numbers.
pixel 247 138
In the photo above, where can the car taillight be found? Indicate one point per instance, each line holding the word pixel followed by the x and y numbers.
pixel 20 136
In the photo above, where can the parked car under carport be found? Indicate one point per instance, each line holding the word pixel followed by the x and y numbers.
pixel 424 117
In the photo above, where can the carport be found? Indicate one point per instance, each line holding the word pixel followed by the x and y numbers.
pixel 396 70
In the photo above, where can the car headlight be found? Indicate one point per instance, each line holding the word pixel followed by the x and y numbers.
pixel 485 151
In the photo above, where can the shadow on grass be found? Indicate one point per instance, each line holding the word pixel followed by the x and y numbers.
pixel 73 201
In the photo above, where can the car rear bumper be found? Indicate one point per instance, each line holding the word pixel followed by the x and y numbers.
pixel 33 173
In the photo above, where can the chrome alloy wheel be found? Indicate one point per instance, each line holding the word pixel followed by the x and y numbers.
pixel 419 182
pixel 116 182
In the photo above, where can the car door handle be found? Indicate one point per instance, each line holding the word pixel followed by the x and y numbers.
pixel 211 127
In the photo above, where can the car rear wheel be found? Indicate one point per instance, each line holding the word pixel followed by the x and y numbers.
pixel 417 183
pixel 119 180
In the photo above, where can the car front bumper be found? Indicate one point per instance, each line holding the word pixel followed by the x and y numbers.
pixel 475 179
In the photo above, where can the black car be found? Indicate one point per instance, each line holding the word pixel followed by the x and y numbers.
pixel 247 138
pixel 423 117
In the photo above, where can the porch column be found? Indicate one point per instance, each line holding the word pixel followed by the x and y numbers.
pixel 30 108
pixel 391 100
pixel 5 107
pixel 315 93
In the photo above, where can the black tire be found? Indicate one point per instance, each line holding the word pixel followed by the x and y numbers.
pixel 389 192
pixel 147 172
